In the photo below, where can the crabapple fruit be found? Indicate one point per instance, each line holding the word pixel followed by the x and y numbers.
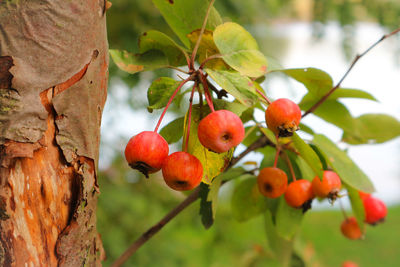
pixel 146 152
pixel 298 193
pixel 328 187
pixel 272 182
pixel 350 228
pixel 182 171
pixel 220 130
pixel 283 117
pixel 375 210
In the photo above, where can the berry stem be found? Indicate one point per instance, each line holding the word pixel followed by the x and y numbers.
pixel 170 100
pixel 342 209
pixel 290 166
pixel 203 27
pixel 355 60
pixel 207 94
pixel 264 96
pixel 208 59
pixel 189 117
pixel 278 150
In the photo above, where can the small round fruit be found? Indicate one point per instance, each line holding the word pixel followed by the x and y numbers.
pixel 349 264
pixel 298 193
pixel 272 182
pixel 375 210
pixel 328 187
pixel 350 228
pixel 283 117
pixel 220 130
pixel 363 194
pixel 182 171
pixel 146 152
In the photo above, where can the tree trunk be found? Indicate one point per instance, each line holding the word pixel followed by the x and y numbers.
pixel 53 83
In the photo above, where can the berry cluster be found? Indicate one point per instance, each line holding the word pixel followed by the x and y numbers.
pixel 375 212
pixel 148 151
pixel 283 118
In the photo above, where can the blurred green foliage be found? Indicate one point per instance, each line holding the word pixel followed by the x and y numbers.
pixel 129 205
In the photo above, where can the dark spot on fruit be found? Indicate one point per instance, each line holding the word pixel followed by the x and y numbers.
pixel 145 33
pixel 142 167
pixel 226 137
pixel 268 187
pixel 171 1
pixel 181 184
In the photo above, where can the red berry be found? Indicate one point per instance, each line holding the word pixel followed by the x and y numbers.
pixel 220 130
pixel 328 187
pixel 350 228
pixel 146 152
pixel 375 210
pixel 272 182
pixel 298 193
pixel 349 264
pixel 182 171
pixel 363 195
pixel 283 117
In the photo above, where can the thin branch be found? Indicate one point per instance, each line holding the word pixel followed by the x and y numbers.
pixel 261 142
pixel 157 227
pixel 203 27
pixel 220 93
pixel 355 60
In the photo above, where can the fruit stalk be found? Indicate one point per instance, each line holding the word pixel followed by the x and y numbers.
pixel 189 117
pixel 170 100
pixel 206 91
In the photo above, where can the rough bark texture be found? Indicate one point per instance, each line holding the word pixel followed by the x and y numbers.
pixel 53 81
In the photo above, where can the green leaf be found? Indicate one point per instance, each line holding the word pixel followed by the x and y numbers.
pixel 235 107
pixel 308 154
pixel 172 132
pixel 351 93
pixel 206 49
pixel 342 164
pixel 317 81
pixel 133 63
pixel 185 16
pixel 372 129
pixel 288 220
pixel 155 40
pixel 160 92
pixel 213 194
pixel 333 112
pixel 213 163
pixel 305 170
pixel 247 201
pixel 306 128
pixel 356 205
pixel 206 213
pixel 241 87
pixel 240 50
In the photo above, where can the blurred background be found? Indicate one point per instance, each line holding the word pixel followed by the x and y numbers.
pixel 325 34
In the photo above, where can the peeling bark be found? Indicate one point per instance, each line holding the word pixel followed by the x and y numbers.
pixel 53 82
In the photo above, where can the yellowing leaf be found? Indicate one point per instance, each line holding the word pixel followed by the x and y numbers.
pixel 213 163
